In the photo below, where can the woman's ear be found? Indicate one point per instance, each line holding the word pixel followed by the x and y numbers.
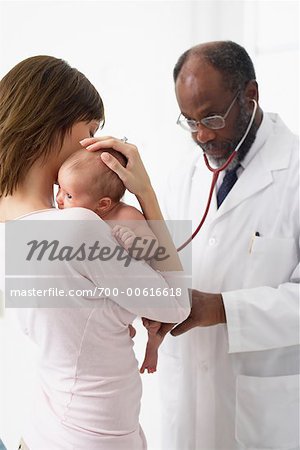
pixel 251 91
pixel 103 205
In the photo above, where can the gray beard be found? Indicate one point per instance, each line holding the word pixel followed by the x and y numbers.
pixel 230 145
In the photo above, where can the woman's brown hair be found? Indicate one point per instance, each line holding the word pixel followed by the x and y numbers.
pixel 41 98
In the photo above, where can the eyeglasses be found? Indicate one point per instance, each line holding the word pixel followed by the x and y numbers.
pixel 215 122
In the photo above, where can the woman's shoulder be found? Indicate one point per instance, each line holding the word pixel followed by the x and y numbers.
pixel 84 222
pixel 77 213
pixel 69 226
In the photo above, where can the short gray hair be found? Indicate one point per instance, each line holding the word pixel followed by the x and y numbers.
pixel 229 58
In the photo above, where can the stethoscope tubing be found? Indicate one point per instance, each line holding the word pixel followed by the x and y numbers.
pixel 216 172
pixel 214 180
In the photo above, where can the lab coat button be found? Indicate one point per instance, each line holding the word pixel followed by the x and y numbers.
pixel 204 366
pixel 212 241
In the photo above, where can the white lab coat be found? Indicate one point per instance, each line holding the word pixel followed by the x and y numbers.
pixel 235 386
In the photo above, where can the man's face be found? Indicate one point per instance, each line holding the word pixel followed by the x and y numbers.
pixel 200 92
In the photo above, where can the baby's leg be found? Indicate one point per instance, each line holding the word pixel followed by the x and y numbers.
pixel 151 355
pixel 156 334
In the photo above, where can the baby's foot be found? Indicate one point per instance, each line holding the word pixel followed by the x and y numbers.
pixel 150 360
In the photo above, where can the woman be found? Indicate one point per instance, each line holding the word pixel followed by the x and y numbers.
pixel 89 389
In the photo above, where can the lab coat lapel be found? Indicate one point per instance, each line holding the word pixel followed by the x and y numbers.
pixel 254 178
pixel 275 155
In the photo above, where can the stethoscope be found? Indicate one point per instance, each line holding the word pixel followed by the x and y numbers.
pixel 216 172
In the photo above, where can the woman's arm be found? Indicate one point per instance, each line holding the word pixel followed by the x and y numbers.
pixel 107 271
pixel 131 230
pixel 136 180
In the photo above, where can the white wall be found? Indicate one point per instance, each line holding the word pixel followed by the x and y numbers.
pixel 128 50
pixel 269 30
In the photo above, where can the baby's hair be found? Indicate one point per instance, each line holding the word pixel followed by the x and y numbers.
pixel 102 181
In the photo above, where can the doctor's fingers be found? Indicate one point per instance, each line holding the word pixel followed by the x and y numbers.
pixel 185 326
pixel 207 309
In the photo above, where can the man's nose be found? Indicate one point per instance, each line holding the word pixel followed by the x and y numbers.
pixel 204 134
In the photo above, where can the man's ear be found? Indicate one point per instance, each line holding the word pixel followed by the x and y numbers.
pixel 251 90
pixel 103 205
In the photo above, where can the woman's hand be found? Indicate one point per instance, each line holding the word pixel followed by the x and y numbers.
pixel 134 175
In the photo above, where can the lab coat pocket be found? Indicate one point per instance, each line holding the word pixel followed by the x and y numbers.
pixel 267 412
pixel 271 261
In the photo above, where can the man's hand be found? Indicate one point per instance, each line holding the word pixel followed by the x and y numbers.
pixel 207 310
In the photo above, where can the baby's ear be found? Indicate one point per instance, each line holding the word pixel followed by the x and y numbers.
pixel 104 204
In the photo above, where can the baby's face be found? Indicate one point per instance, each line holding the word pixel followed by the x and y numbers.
pixel 73 192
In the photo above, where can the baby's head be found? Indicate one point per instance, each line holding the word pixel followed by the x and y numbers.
pixel 85 181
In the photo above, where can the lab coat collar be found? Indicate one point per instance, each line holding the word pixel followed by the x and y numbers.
pixel 276 154
pixel 262 134
pixel 271 151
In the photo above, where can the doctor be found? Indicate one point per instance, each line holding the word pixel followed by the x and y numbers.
pixel 230 375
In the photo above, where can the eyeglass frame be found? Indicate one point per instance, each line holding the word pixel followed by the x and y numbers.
pixel 196 123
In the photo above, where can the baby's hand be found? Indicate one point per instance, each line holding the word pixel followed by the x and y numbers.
pixel 157 328
pixel 124 235
pixel 152 326
pixel 132 331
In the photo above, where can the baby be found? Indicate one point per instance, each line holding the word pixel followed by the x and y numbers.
pixel 85 181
